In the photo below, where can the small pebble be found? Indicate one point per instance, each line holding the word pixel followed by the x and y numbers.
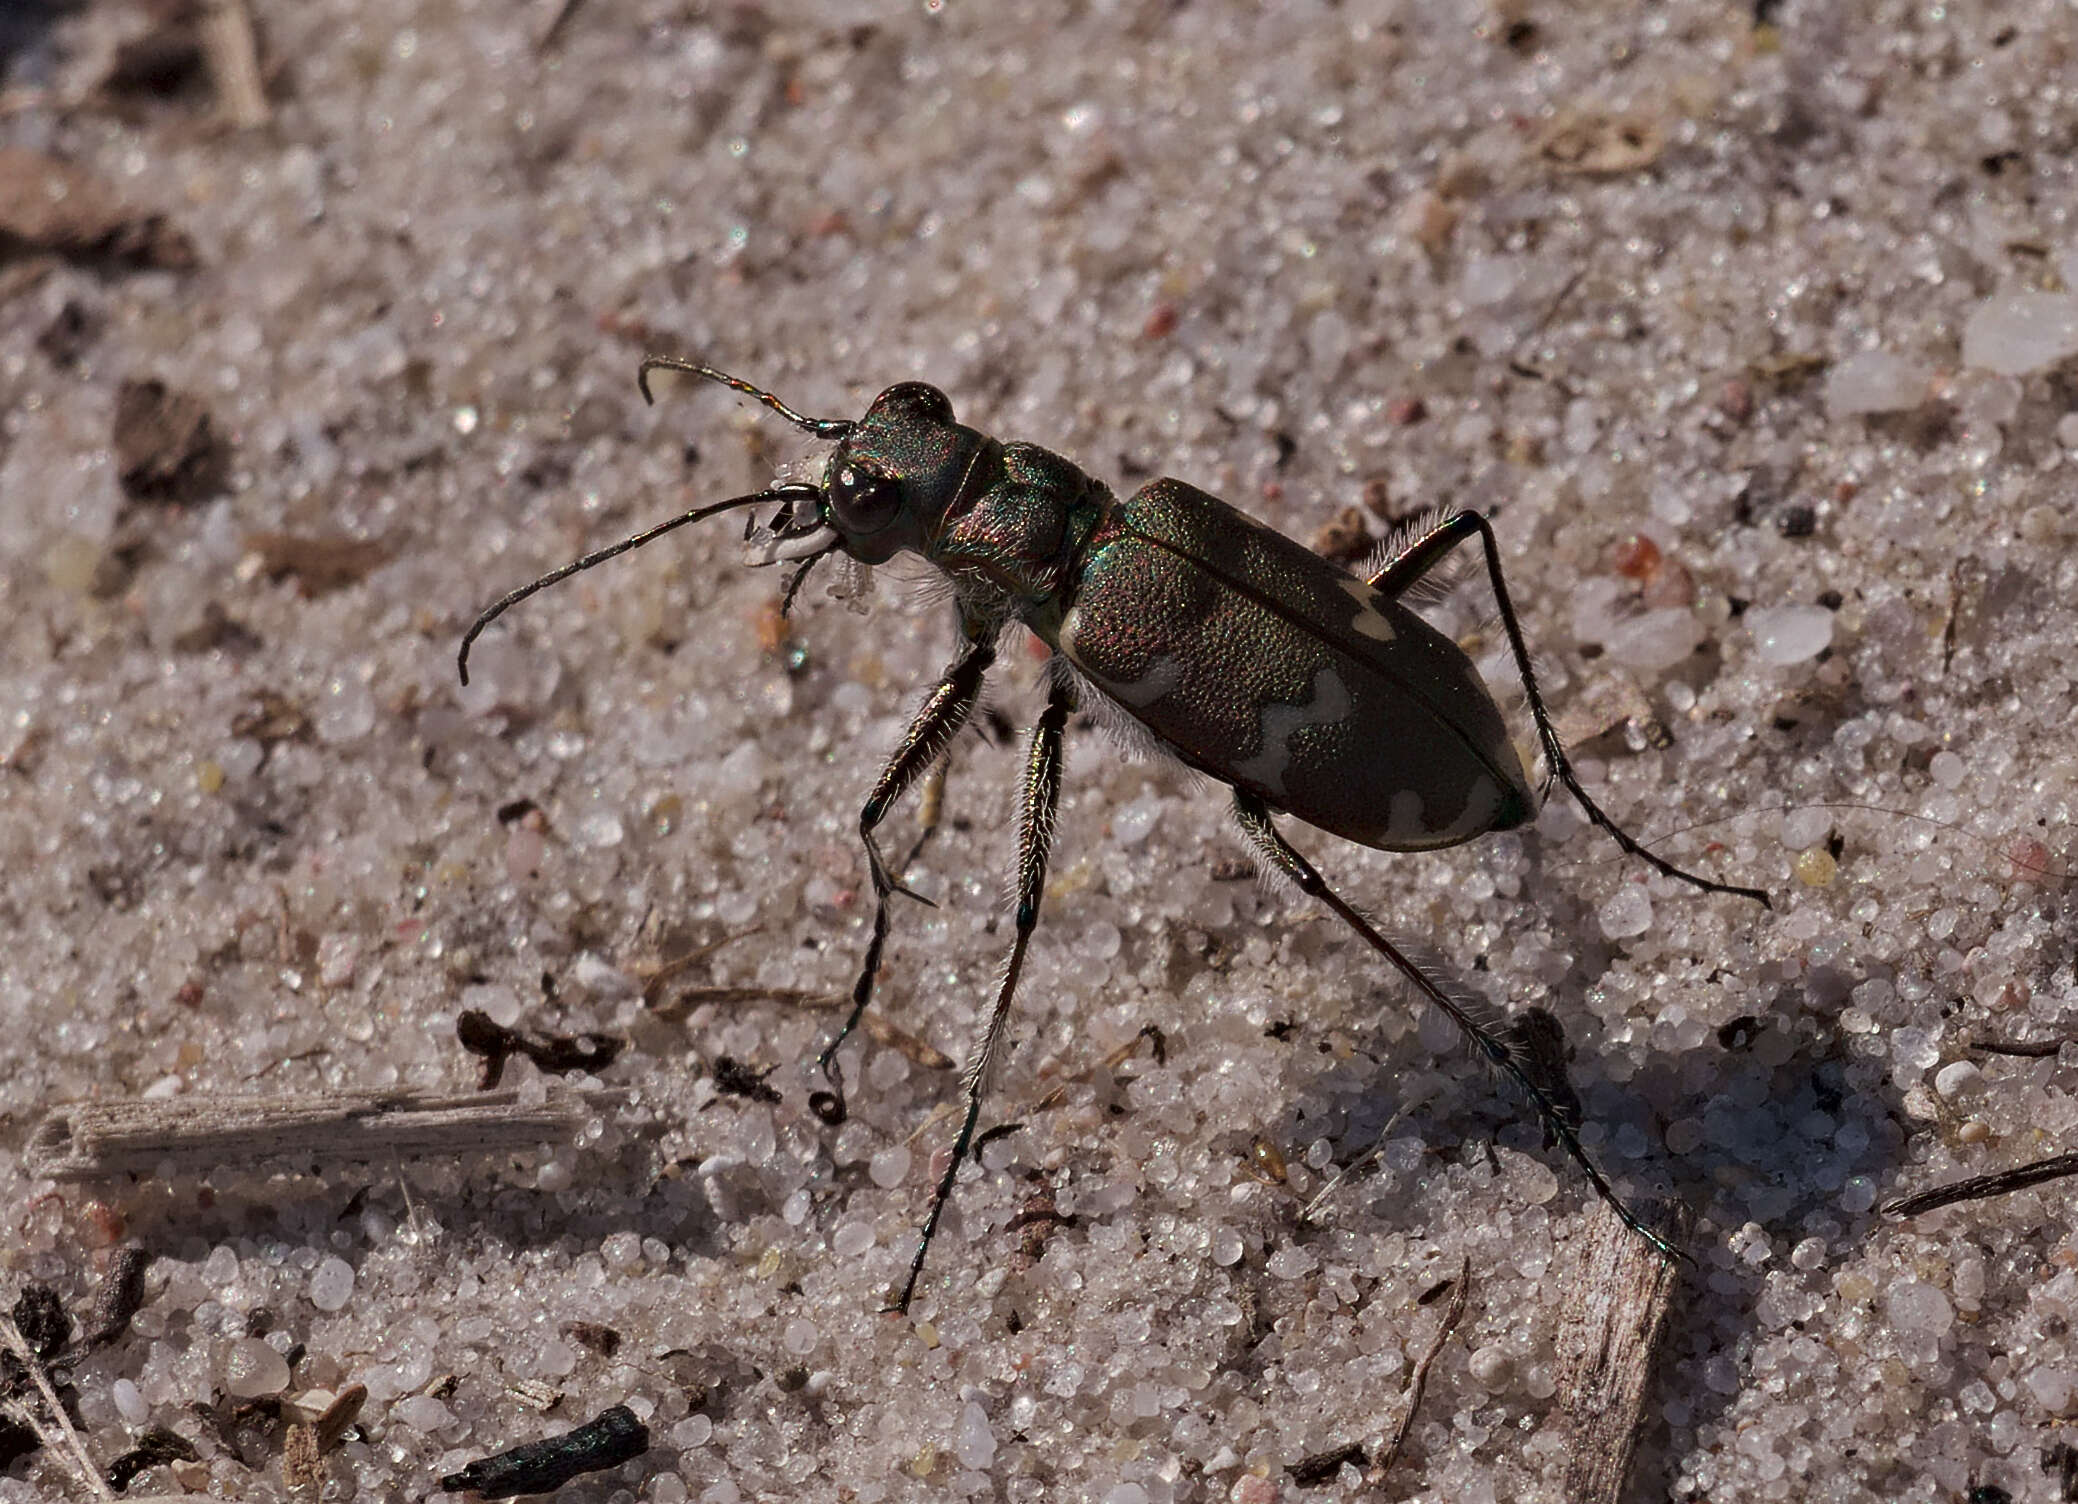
pixel 1875 381
pixel 251 1368
pixel 2018 333
pixel 1816 867
pixel 975 1445
pixel 1805 828
pixel 129 1402
pixel 1957 1077
pixel 1784 635
pixel 1627 913
pixel 1655 639
pixel 1292 1262
pixel 1491 1366
pixel 1915 1306
pixel 332 1285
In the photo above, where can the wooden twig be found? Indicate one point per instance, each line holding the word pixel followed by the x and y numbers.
pixel 194 1135
pixel 2021 1049
pixel 552 36
pixel 1606 1341
pixel 234 62
pixel 1419 1384
pixel 1980 1187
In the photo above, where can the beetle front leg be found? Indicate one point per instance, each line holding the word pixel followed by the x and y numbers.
pixel 1041 800
pixel 922 746
pixel 1501 1047
pixel 1422 554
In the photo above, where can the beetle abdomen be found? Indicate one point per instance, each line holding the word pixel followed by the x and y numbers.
pixel 1266 667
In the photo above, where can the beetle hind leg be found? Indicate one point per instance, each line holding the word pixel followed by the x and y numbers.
pixel 1403 565
pixel 1507 1046
pixel 1039 803
pixel 1414 559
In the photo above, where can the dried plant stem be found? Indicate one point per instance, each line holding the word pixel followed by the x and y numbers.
pixel 55 1427
pixel 93 1140
pixel 1419 1384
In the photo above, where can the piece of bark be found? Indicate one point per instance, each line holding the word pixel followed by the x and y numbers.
pixel 319 562
pixel 166 445
pixel 1606 1342
pixel 48 204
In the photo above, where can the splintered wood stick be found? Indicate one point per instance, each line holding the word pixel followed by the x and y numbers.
pixel 1606 1341
pixel 193 1135
pixel 234 62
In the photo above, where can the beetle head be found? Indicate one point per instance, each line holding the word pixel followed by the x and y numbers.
pixel 894 477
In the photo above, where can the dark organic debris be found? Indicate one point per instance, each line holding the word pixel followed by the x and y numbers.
pixel 47 204
pixel 319 562
pixel 271 718
pixel 16 1440
pixel 166 445
pixel 40 1317
pixel 554 1054
pixel 69 335
pixel 593 1337
pixel 119 1297
pixel 539 1467
pixel 1321 1467
pixel 1981 1187
pixel 154 1448
pixel 732 1078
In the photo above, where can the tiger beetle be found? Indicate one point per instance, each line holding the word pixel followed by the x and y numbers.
pixel 1194 630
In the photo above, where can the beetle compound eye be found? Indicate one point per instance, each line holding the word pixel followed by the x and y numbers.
pixel 861 500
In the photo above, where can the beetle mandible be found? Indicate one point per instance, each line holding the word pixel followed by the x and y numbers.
pixel 1307 690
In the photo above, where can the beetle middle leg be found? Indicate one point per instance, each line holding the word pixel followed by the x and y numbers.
pixel 1500 1047
pixel 1423 553
pixel 922 747
pixel 1039 803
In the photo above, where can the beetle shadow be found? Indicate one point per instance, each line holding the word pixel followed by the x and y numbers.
pixel 1785 1131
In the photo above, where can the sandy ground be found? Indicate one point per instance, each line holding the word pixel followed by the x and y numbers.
pixel 1751 332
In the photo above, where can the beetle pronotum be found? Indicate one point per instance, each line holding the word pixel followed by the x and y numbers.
pixel 1307 690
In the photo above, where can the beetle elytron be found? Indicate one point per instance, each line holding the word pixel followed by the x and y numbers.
pixel 1307 690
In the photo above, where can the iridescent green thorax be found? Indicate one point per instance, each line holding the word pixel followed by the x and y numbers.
pixel 1022 536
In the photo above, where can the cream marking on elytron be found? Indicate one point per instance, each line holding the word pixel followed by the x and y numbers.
pixel 1368 621
pixel 1328 703
pixel 1163 675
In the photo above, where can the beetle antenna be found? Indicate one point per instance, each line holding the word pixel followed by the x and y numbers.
pixel 511 598
pixel 823 428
